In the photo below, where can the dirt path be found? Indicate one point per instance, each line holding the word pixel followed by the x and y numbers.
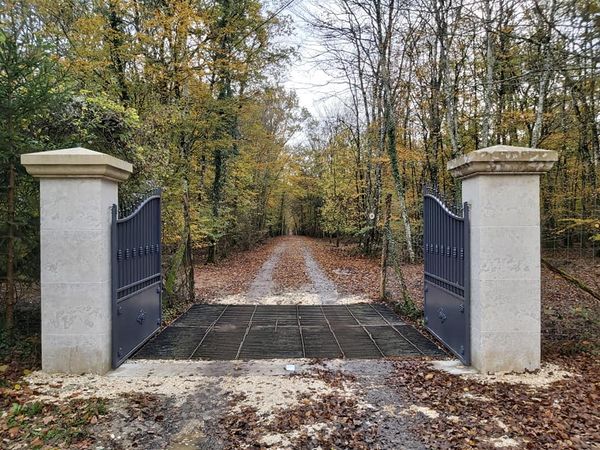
pixel 291 274
pixel 242 405
pixel 349 404
pixel 300 403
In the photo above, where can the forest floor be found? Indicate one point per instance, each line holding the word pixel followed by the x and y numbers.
pixel 290 270
pixel 387 404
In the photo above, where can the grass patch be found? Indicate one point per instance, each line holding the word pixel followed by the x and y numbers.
pixel 38 424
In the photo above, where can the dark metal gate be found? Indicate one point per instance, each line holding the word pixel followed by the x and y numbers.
pixel 136 276
pixel 447 291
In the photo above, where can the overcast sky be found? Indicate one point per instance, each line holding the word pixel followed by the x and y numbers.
pixel 317 90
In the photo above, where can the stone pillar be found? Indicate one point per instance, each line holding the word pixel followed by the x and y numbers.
pixel 77 190
pixel 502 186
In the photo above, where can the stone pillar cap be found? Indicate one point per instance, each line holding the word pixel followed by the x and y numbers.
pixel 503 160
pixel 76 163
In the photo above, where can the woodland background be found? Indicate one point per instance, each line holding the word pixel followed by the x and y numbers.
pixel 191 93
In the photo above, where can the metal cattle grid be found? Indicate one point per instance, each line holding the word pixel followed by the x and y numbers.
pixel 447 277
pixel 136 275
pixel 242 332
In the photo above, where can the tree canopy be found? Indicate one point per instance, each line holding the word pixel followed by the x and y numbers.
pixel 191 93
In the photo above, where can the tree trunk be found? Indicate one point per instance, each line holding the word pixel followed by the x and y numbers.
pixel 490 62
pixel 384 247
pixel 188 259
pixel 546 25
pixel 390 131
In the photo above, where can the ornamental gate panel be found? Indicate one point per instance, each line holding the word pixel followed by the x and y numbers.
pixel 136 275
pixel 447 277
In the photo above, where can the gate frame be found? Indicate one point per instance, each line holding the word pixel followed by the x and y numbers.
pixel 156 193
pixel 453 212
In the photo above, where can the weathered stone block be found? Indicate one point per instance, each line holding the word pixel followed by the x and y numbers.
pixel 501 185
pixel 77 190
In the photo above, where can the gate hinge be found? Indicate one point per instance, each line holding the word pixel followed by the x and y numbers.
pixel 461 307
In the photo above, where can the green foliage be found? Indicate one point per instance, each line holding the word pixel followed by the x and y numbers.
pixel 179 90
pixel 28 409
pixel 30 87
pixel 42 425
pixel 408 308
pixel 590 226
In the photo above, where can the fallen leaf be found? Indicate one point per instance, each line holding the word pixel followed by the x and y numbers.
pixel 46 420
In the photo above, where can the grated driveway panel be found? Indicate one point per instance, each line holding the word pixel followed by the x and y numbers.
pixel 226 332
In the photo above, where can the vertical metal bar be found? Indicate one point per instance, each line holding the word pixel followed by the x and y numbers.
pixel 444 230
pixel 158 268
pixel 441 240
pixel 459 245
pixel 126 252
pixel 134 243
pixel 427 226
pixel 113 285
pixel 450 221
pixel 135 221
pixel 130 277
pixel 426 254
pixel 146 224
pixel 453 264
pixel 454 249
pixel 115 231
pixel 139 226
pixel 444 239
pixel 467 281
pixel 149 231
pixel 440 231
pixel 154 223
pixel 132 230
pixel 461 276
pixel 437 239
pixel 434 238
pixel 152 238
pixel 429 233
pixel 425 235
